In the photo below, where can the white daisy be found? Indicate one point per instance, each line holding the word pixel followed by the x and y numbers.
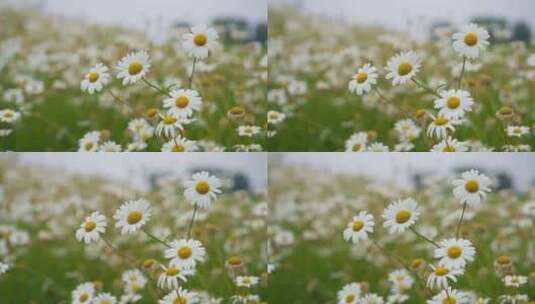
pixel 515 280
pixel 90 142
pixel 132 215
pixel 372 298
pixel 472 188
pixel 96 79
pixel 169 125
pixel 471 41
pixel 91 228
pixel 182 103
pixel 200 42
pixel 440 276
pixel 109 146
pixel 450 145
pixel 377 147
pixel 246 281
pixel 274 117
pixel 364 79
pixel 104 298
pixel 4 267
pixel 401 280
pixel 180 144
pixel 9 116
pixel 83 294
pixel 350 294
pixel 441 126
pixel 400 215
pixel 133 67
pixel 449 296
pixel 407 130
pixel 180 296
pixel 185 253
pixel 359 227
pixel 357 142
pixel 455 253
pixel 168 279
pixel 453 104
pixel 202 189
pixel 248 131
pixel 134 280
pixel 402 67
pixel 517 131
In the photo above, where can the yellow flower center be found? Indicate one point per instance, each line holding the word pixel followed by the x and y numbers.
pixel 273 115
pixel 83 297
pixel 169 119
pixel 471 186
pixel 357 225
pixel 503 259
pixel 441 271
pixel 134 68
pixel 449 300
pixel 356 147
pixel 178 148
pixel 88 145
pixel 234 260
pixel 180 300
pixel 449 148
pixel 454 252
pixel 171 271
pixel 8 114
pixel 105 302
pixel 506 111
pixel 350 298
pixel 361 77
pixel 404 68
pixel 202 187
pixel 200 39
pixel 133 217
pixel 89 226
pixel 92 77
pixel 440 121
pixel 453 102
pixel 470 39
pixel 182 102
pixel 403 216
pixel 184 252
pixel 517 130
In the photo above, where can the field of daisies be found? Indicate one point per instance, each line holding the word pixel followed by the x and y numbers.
pixel 69 86
pixel 351 239
pixel 83 239
pixel 339 87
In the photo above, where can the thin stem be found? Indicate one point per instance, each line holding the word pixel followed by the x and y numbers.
pixel 157 88
pixel 190 226
pixel 425 87
pixel 119 100
pixel 460 221
pixel 155 238
pixel 423 236
pixel 390 102
pixel 462 74
pixel 190 83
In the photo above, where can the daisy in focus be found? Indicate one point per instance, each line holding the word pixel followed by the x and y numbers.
pixel 441 126
pixel 185 253
pixel 472 188
pixel 180 296
pixel 183 103
pixel 202 189
pixel 455 253
pixel 96 79
pixel 91 228
pixel 132 215
pixel 200 42
pixel 449 144
pixel 402 67
pixel 180 144
pixel 400 215
pixel 359 227
pixel 364 79
pixel 170 276
pixel 453 104
pixel 471 41
pixel 133 67
pixel 441 275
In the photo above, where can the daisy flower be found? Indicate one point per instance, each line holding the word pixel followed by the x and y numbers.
pixel 372 298
pixel 440 126
pixel 104 298
pixel 134 280
pixel 440 276
pixel 109 146
pixel 515 280
pixel 248 131
pixel 455 253
pixel 274 117
pixel 407 129
pixel 450 145
pixel 180 144
pixel 517 131
pixel 170 276
pixel 357 142
pixel 9 116
pixel 169 124
pixel 350 294
pixel 400 280
pixel 3 267
pixel 200 42
pixel 185 253
pixel 472 188
pixel 89 143
pixel 83 293
pixel 453 104
pixel 202 189
pixel 359 227
pixel 133 67
pixel 402 67
pixel 246 281
pixel 449 296
pixel 471 41
pixel 377 147
pixel 91 228
pixel 132 215
pixel 182 103
pixel 180 296
pixel 364 79
pixel 96 79
pixel 400 215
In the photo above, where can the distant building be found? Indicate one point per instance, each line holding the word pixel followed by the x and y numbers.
pixel 234 30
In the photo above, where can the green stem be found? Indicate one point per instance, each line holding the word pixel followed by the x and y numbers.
pixel 462 74
pixel 425 87
pixel 190 83
pixel 155 238
pixel 190 226
pixel 460 222
pixel 155 87
pixel 423 236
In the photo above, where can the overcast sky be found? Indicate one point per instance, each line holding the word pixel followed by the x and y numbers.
pixel 133 167
pixel 397 13
pixel 399 166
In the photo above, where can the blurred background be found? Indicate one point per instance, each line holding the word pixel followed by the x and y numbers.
pixel 510 170
pixel 238 20
pixel 505 19
pixel 243 171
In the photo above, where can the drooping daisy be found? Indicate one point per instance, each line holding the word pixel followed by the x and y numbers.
pixel 364 79
pixel 200 42
pixel 517 131
pixel 169 125
pixel 449 296
pixel 453 104
pixel 349 294
pixel 9 116
pixel 440 276
pixel 185 253
pixel 202 189
pixel 133 67
pixel 401 280
pixel 180 144
pixel 90 142
pixel 248 131
pixel 182 103
pixel 274 117
pixel 372 298
pixel 441 126
pixel 455 253
pixel 400 215
pixel 246 281
pixel 515 280
pixel 96 79
pixel 359 227
pixel 402 67
pixel 104 298
pixel 407 130
pixel 132 215
pixel 471 41
pixel 180 296
pixel 168 279
pixel 83 294
pixel 357 142
pixel 472 188
pixel 91 228
pixel 450 145
pixel 134 280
